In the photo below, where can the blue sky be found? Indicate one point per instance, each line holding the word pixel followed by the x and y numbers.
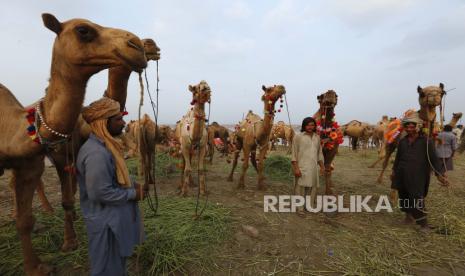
pixel 373 53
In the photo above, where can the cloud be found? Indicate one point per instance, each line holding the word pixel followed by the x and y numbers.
pixel 238 10
pixel 362 14
pixel 289 14
pixel 230 46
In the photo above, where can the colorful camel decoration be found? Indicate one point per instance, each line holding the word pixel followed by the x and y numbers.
pixel 81 49
pixel 254 133
pixel 191 134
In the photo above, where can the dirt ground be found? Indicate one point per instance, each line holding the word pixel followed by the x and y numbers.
pixel 318 244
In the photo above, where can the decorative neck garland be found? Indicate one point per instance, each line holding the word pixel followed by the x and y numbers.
pixel 42 121
pixel 329 135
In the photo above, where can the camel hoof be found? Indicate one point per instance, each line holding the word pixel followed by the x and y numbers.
pixel 204 193
pixel 49 210
pixel 230 179
pixel 70 245
pixel 241 186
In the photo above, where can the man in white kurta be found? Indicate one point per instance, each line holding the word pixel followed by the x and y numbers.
pixel 306 156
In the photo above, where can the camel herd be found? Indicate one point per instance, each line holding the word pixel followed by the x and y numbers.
pixel 53 126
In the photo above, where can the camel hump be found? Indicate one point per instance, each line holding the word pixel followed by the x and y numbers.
pixel 7 98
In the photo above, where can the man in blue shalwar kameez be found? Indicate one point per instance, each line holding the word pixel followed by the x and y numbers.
pixel 107 195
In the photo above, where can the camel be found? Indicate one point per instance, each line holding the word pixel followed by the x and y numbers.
pixel 254 133
pixel 429 98
pixel 455 119
pixel 357 130
pixel 378 132
pixel 284 132
pixel 330 133
pixel 63 157
pixel 216 130
pixel 191 134
pixel 81 49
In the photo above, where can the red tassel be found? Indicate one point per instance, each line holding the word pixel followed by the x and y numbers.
pixel 124 113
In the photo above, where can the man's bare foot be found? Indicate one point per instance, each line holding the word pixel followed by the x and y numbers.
pixel 408 220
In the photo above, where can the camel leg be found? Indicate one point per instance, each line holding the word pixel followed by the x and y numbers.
pixel 328 180
pixel 26 181
pixel 381 156
pixel 234 164
pixel 12 184
pixel 68 191
pixel 253 159
pixel 202 170
pixel 245 166
pixel 183 167
pixel 211 152
pixel 289 149
pixel 46 206
pixel 261 168
pixel 187 171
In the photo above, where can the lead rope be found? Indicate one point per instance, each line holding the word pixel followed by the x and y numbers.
pixel 154 156
pixel 198 215
pixel 141 228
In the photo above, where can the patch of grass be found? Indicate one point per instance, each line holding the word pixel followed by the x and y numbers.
pixel 173 241
pixel 278 167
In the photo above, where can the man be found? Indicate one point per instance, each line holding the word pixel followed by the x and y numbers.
pixel 446 148
pixel 107 195
pixel 306 156
pixel 415 157
pixel 458 132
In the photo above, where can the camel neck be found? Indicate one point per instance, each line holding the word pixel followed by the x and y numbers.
pixel 427 114
pixel 118 84
pixel 328 113
pixel 199 121
pixel 268 119
pixel 63 100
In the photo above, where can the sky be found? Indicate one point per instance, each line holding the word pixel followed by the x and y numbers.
pixel 373 53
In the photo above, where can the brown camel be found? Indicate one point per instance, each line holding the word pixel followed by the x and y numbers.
pixel 429 98
pixel 191 134
pixel 358 131
pixel 63 157
pixel 254 133
pixel 80 50
pixel 378 132
pixel 284 132
pixel 216 130
pixel 455 119
pixel 325 119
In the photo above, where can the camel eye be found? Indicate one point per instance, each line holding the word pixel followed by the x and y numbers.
pixel 86 33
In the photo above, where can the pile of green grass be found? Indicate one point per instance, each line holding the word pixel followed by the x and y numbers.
pixel 278 167
pixel 174 241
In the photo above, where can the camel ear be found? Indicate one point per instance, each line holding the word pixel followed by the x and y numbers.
pixel 191 88
pixel 419 89
pixel 52 23
pixel 441 85
pixel 263 88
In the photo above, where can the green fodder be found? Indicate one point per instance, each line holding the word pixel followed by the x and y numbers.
pixel 278 167
pixel 174 241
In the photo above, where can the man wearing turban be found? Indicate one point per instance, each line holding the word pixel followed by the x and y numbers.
pixel 415 159
pixel 108 196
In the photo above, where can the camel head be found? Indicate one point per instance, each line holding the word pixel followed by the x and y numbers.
pixel 273 93
pixel 91 47
pixel 431 96
pixel 457 116
pixel 328 99
pixel 152 51
pixel 200 93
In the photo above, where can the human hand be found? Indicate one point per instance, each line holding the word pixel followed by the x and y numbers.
pixel 297 172
pixel 443 181
pixel 140 191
